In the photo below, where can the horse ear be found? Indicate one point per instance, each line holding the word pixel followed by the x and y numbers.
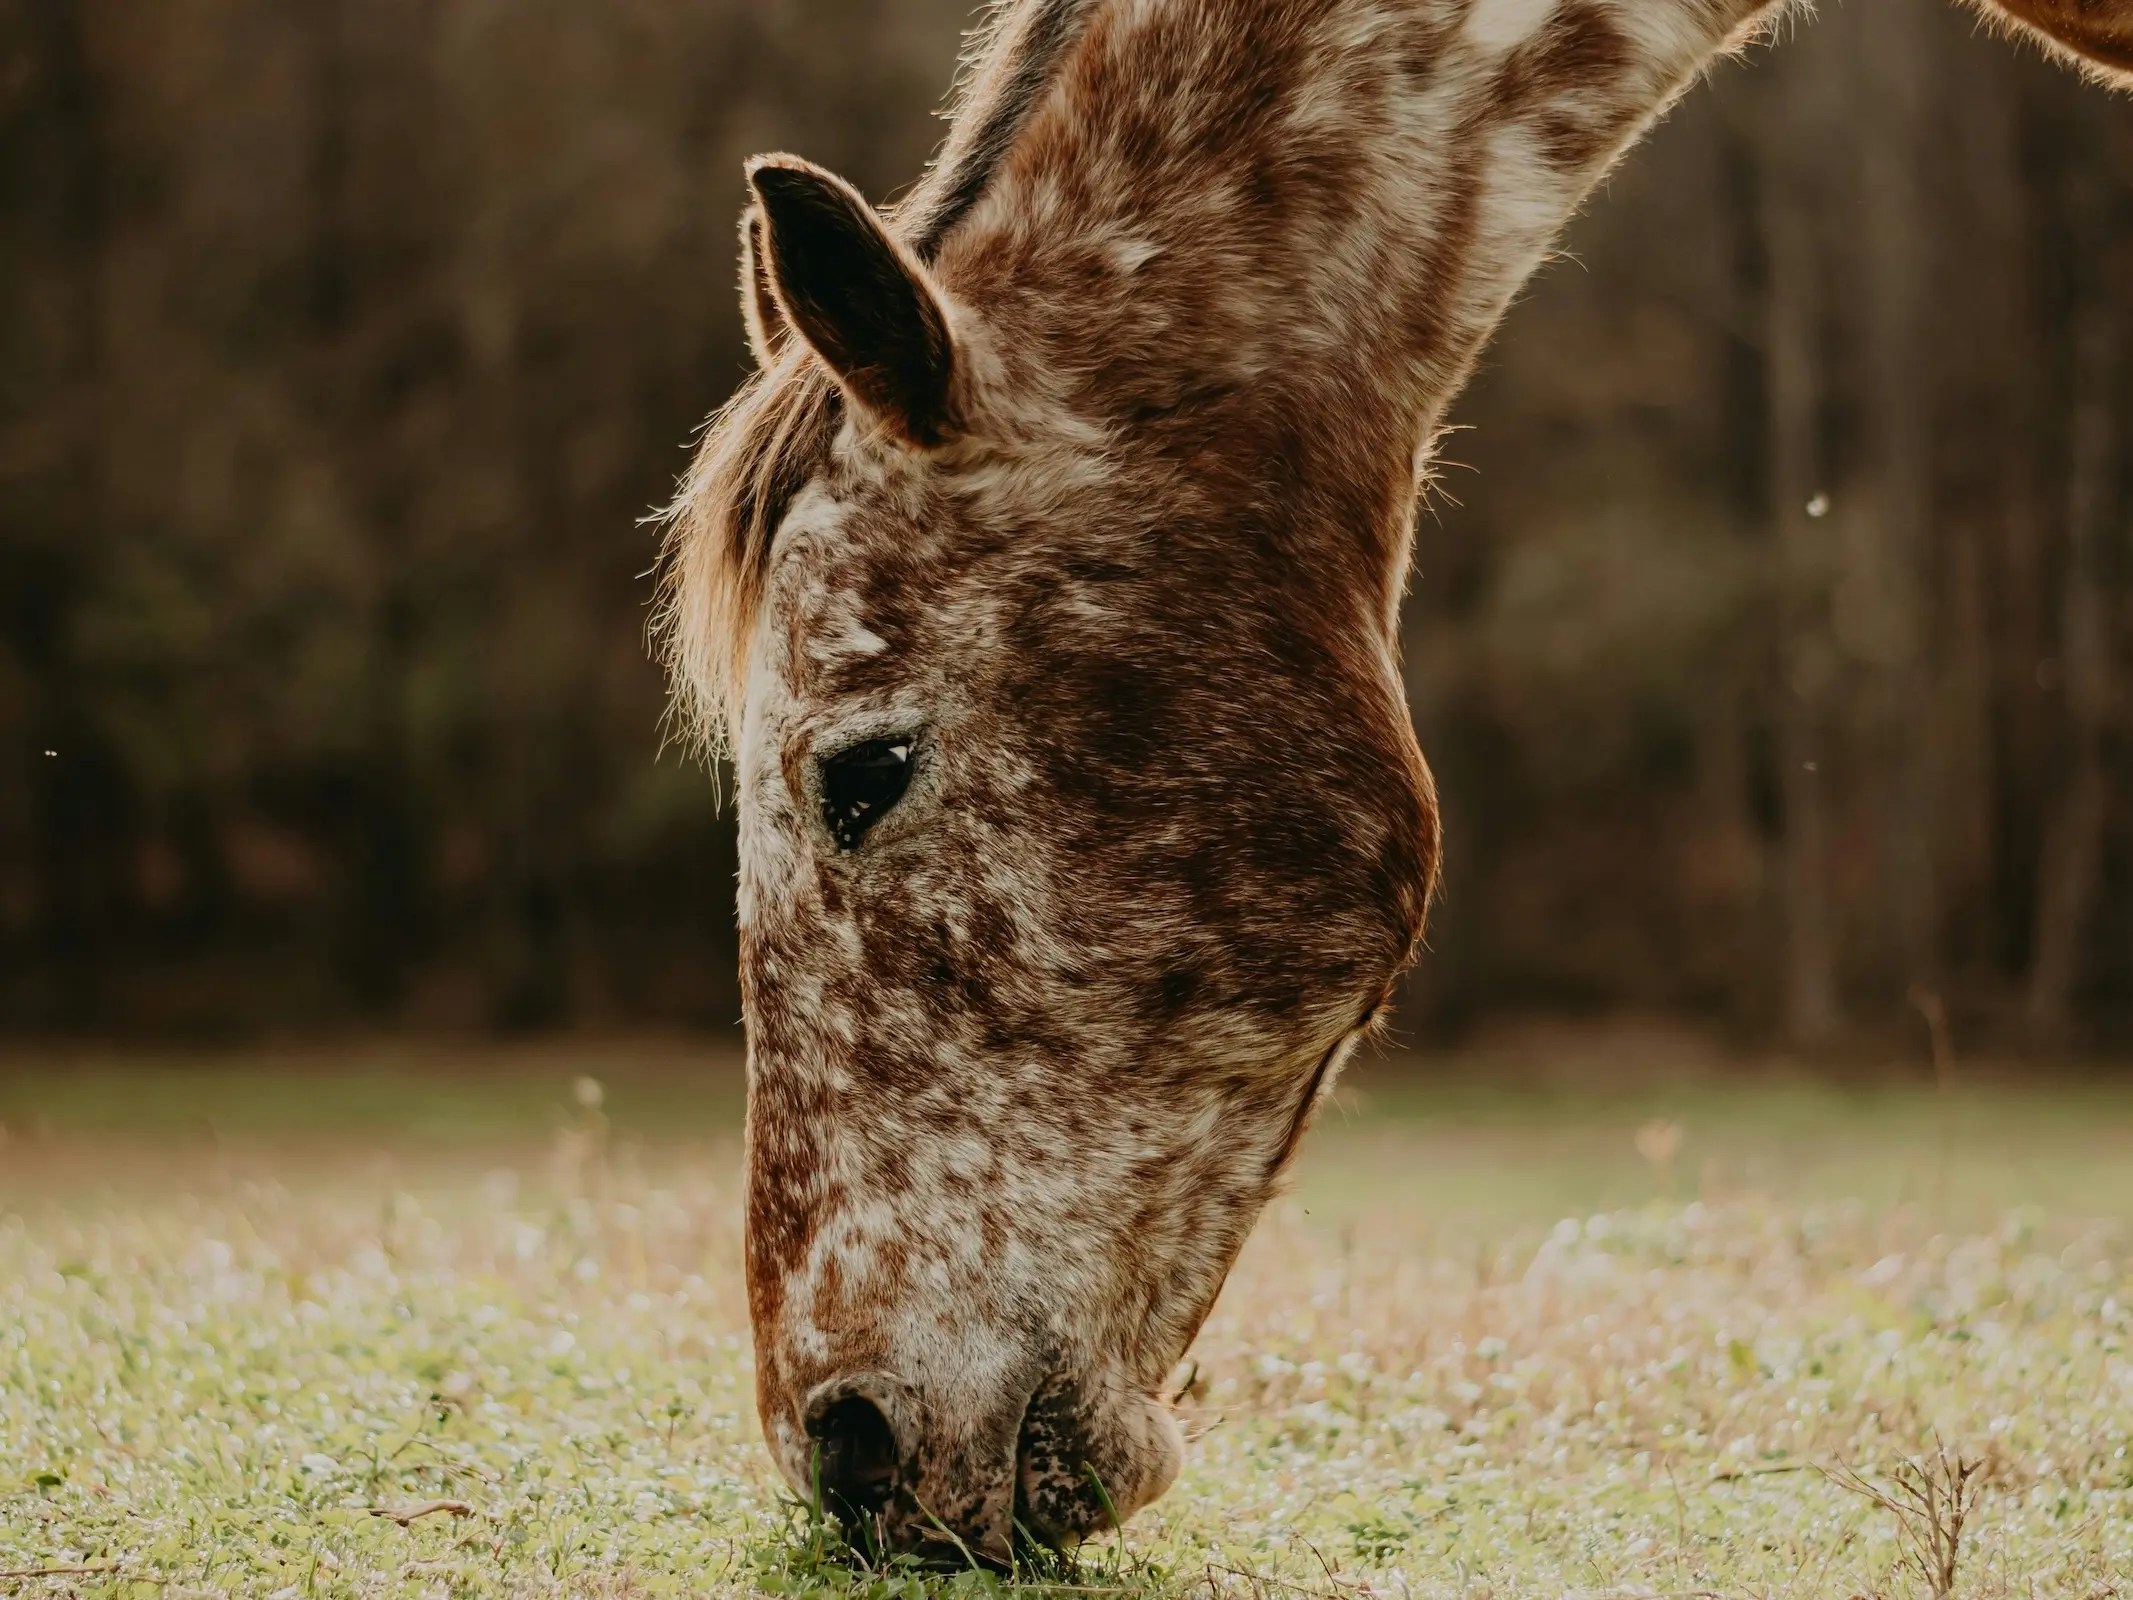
pixel 2096 35
pixel 862 302
pixel 767 327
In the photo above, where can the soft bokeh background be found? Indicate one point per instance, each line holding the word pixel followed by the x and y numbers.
pixel 1773 656
pixel 369 1083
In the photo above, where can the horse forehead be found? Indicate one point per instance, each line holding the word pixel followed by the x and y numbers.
pixel 873 507
pixel 872 588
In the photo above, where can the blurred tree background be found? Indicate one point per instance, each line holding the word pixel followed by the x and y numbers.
pixel 1773 658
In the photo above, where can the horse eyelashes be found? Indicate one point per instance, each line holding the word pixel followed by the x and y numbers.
pixel 859 786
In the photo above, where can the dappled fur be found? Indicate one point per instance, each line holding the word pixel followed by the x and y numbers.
pixel 1026 1064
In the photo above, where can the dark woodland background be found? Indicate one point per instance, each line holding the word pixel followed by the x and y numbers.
pixel 1774 657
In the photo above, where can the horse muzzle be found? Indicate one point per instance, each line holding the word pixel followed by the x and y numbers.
pixel 911 1473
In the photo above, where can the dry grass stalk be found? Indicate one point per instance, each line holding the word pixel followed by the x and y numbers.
pixel 406 1515
pixel 1933 1499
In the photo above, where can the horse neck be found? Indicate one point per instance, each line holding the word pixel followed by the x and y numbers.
pixel 1262 241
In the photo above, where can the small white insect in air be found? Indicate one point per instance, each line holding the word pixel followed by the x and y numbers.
pixel 588 1093
pixel 1818 507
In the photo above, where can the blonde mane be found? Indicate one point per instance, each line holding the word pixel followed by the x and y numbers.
pixel 758 451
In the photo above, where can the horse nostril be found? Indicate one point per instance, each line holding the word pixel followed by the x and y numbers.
pixel 856 1457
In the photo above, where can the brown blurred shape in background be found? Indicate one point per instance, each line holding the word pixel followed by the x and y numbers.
pixel 1774 660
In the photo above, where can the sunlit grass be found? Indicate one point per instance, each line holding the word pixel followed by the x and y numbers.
pixel 1491 1346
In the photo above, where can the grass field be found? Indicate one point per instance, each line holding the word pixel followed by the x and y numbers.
pixel 1696 1337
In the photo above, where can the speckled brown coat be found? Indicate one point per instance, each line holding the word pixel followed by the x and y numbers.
pixel 1087 479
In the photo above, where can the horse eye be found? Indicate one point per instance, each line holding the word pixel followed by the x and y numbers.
pixel 859 786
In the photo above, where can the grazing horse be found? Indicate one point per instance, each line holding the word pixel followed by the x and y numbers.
pixel 1043 585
